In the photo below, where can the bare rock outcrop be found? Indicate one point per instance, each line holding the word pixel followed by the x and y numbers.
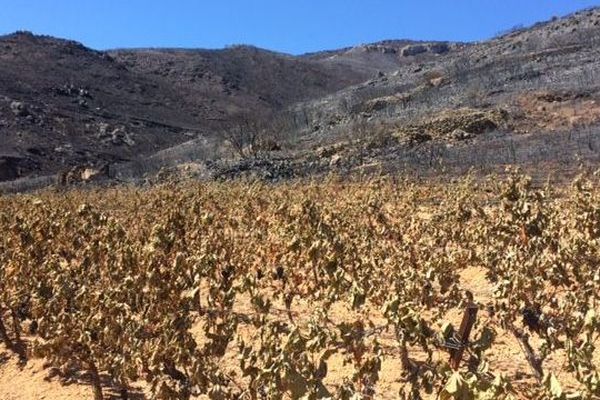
pixel 457 124
pixel 413 50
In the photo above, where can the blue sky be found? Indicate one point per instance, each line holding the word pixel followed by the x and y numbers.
pixel 291 26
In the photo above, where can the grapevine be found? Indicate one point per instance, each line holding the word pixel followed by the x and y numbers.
pixel 308 290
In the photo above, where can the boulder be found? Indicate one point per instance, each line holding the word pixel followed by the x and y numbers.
pixel 19 109
pixel 103 130
pixel 336 159
pixel 436 82
pixel 89 174
pixel 119 136
pixel 81 174
pixel 459 134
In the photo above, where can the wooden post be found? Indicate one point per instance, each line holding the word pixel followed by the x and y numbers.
pixel 468 320
pixel 4 335
pixel 534 361
pixel 95 380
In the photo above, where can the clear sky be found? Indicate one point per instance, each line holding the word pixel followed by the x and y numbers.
pixel 291 26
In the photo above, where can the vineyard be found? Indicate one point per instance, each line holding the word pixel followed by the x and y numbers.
pixel 341 290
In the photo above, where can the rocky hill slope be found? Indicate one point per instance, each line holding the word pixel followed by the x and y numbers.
pixel 393 104
pixel 62 104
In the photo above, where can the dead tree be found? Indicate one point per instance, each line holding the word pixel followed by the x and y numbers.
pixel 250 133
pixel 243 132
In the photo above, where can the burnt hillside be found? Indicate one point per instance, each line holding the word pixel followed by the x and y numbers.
pixel 383 104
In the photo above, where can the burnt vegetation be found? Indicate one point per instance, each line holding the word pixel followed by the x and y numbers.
pixel 143 111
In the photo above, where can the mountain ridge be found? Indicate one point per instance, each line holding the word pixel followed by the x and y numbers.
pixel 64 105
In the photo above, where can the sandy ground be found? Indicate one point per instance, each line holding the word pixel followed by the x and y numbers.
pixel 27 382
pixel 31 382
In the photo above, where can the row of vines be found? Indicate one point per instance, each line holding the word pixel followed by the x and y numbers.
pixel 308 290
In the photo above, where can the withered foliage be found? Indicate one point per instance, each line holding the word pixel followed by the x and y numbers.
pixel 113 283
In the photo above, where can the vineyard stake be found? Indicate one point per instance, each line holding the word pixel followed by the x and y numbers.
pixel 468 320
pixel 4 335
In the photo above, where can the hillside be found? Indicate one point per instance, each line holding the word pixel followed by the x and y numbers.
pixel 63 104
pixel 392 105
pixel 269 79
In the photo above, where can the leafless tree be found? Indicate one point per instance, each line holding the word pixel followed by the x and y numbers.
pixel 251 133
pixel 243 132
